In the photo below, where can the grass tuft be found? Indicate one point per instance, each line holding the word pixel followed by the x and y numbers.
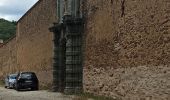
pixel 2 83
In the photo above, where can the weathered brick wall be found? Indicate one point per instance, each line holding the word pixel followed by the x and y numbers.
pixel 127 49
pixel 8 58
pixel 34 41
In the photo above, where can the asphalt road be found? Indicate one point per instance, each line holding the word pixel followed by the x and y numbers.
pixel 10 94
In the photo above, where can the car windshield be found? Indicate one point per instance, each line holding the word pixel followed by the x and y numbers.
pixel 27 75
pixel 12 76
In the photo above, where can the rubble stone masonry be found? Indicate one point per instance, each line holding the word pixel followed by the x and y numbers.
pixel 127 49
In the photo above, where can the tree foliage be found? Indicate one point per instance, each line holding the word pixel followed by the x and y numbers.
pixel 7 29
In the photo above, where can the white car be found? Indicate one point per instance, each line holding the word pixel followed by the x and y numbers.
pixel 10 80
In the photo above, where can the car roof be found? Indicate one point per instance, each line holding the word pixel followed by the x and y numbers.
pixel 27 72
pixel 12 75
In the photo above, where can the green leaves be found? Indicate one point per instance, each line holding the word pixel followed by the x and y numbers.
pixel 7 29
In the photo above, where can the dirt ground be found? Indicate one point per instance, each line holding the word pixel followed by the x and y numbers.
pixel 10 94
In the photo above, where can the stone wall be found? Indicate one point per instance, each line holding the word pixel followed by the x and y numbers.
pixel 34 41
pixel 127 49
pixel 8 58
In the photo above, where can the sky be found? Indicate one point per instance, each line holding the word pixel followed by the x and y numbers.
pixel 15 9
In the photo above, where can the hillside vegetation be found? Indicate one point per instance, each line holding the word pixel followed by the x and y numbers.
pixel 7 29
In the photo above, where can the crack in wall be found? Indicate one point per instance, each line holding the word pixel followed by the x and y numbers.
pixel 123 8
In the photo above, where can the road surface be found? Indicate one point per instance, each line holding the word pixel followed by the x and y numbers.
pixel 10 94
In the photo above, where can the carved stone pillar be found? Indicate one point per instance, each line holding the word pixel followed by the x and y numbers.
pixel 74 67
pixel 67 67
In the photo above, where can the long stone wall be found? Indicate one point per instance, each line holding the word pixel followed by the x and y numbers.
pixel 34 41
pixel 32 48
pixel 8 58
pixel 127 49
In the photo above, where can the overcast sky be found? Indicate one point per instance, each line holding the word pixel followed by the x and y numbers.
pixel 14 9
